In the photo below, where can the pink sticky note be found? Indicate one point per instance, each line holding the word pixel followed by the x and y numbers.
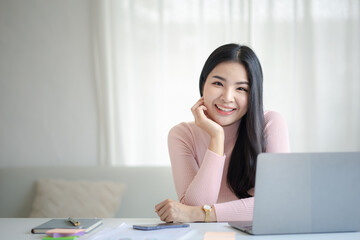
pixel 219 236
pixel 58 232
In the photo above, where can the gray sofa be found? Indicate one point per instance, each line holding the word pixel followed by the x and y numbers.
pixel 145 187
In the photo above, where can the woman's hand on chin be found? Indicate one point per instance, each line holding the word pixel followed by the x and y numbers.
pixel 203 121
pixel 214 129
pixel 173 211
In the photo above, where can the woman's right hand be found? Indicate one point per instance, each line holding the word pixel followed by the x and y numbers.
pixel 214 129
pixel 203 121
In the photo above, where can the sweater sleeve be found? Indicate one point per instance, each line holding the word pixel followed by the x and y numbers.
pixel 276 133
pixel 237 210
pixel 195 185
pixel 277 140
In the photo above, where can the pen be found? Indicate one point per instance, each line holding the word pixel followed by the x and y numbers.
pixel 73 221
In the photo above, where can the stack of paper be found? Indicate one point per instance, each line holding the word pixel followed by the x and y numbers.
pixel 125 231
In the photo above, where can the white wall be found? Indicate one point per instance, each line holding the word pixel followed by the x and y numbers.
pixel 48 113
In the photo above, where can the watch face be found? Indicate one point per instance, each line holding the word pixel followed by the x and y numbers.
pixel 207 207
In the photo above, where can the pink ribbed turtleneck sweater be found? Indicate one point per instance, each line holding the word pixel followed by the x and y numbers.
pixel 200 174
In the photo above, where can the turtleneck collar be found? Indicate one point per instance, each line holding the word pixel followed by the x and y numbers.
pixel 231 131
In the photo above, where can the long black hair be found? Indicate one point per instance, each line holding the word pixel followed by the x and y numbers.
pixel 250 141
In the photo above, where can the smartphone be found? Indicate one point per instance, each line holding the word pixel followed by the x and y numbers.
pixel 158 226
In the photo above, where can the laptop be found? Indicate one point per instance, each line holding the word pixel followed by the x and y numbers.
pixel 305 193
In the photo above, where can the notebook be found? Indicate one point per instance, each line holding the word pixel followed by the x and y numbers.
pixel 305 193
pixel 88 224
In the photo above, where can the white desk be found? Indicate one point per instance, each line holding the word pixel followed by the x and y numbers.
pixel 19 228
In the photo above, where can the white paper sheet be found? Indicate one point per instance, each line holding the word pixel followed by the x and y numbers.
pixel 126 232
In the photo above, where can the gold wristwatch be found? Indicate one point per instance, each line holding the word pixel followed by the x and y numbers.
pixel 207 209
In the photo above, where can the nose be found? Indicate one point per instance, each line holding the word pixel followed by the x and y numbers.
pixel 228 95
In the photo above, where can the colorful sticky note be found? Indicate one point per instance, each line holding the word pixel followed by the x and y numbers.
pixel 58 232
pixel 60 238
pixel 219 236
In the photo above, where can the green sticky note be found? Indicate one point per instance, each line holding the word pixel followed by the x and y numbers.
pixel 60 238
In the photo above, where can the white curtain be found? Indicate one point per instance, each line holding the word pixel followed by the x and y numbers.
pixel 310 52
pixel 149 54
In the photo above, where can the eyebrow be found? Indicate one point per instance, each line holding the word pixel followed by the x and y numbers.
pixel 224 79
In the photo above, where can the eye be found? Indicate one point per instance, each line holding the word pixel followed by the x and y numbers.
pixel 242 89
pixel 218 84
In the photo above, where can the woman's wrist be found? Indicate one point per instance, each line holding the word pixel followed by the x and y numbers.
pixel 199 214
pixel 217 143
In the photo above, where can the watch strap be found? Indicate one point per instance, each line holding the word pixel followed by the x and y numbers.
pixel 207 209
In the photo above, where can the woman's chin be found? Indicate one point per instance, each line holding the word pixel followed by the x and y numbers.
pixel 224 123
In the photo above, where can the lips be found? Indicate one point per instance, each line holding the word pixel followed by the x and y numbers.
pixel 224 110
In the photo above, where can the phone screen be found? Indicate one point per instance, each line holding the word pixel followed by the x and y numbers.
pixel 148 227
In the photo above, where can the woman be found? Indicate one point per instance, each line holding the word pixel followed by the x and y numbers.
pixel 214 158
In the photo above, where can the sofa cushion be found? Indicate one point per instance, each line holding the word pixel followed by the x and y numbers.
pixel 56 198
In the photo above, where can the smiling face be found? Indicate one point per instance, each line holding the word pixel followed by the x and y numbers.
pixel 226 93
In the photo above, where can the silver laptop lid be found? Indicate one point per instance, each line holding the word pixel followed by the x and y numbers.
pixel 307 192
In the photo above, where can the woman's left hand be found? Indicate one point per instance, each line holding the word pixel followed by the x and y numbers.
pixel 173 211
